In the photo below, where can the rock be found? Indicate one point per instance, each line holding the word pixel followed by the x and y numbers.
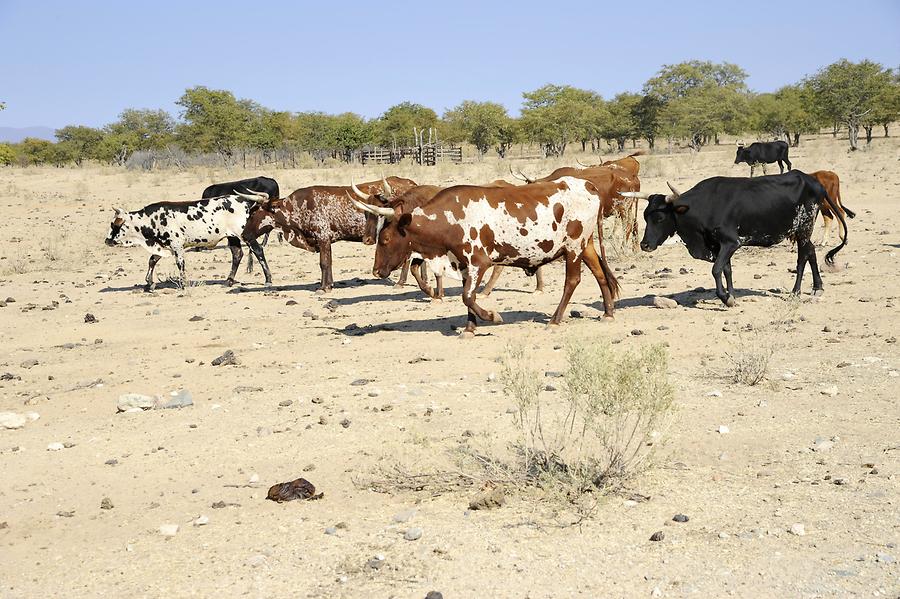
pixel 195 318
pixel 55 446
pixel 168 530
pixel 295 489
pixel 637 332
pixel 374 393
pixel 404 516
pixel 10 420
pixel 664 302
pixel 255 561
pixel 830 391
pixel 331 530
pixel 658 536
pixel 884 558
pixel 331 305
pixel 290 303
pixel 492 377
pixel 29 363
pixel 434 595
pixel 822 444
pixel 8 376
pixel 656 592
pixel 797 529
pixel 724 535
pixel 254 478
pixel 360 382
pixel 226 359
pixel 376 562
pixel 247 389
pixel 106 503
pixel 413 534
pixel 723 430
pixel 111 462
pixel 345 423
pixel 553 374
pixel 129 401
pixel 90 318
pixel 179 399
pixel 714 393
pixel 201 521
pixel 680 518
pixel 488 499
pixel 285 402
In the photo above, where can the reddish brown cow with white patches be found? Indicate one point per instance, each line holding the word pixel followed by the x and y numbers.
pixel 478 227
pixel 314 217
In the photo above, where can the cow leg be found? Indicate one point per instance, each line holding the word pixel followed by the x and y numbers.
pixel 726 251
pixel 539 283
pixel 752 170
pixel 234 244
pixel 260 257
pixel 818 288
pixel 439 287
pixel 827 221
pixel 472 276
pixel 492 281
pixel 149 278
pixel 325 266
pixel 788 161
pixel 765 169
pixel 573 277
pixel 179 262
pixel 781 167
pixel 806 252
pixel 417 268
pixel 404 273
pixel 729 284
pixel 591 258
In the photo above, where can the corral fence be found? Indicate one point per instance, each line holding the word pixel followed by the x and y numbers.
pixel 427 155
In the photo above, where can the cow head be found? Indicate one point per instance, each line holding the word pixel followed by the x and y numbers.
pixel 393 241
pixel 660 216
pixel 743 153
pixel 121 231
pixel 379 198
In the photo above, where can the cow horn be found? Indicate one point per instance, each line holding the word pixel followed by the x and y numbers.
pixel 387 213
pixel 674 195
pixel 525 177
pixel 514 174
pixel 386 186
pixel 360 194
pixel 583 165
pixel 639 195
pixel 256 197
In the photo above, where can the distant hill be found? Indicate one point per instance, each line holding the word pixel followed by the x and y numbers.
pixel 17 134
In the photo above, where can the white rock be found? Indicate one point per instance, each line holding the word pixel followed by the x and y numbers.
pixel 714 393
pixel 168 530
pixel 129 401
pixel 492 377
pixel 10 420
pixel 893 373
pixel 55 446
pixel 656 592
pixel 254 478
pixel 257 560
pixel 724 535
pixel 871 359
pixel 723 429
pixel 788 376
pixel 345 341
pixel 32 416
pixel 797 529
pixel 201 521
pixel 830 391
pixel 664 302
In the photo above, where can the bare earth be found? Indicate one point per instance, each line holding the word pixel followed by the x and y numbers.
pixel 429 393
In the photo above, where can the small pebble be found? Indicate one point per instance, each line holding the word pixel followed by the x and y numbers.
pixel 797 529
pixel 680 518
pixel 413 534
pixel 658 536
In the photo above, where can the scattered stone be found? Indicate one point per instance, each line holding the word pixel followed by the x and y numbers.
pixel 723 430
pixel 179 399
pixel 376 562
pixel 201 521
pixel 374 393
pixel 90 318
pixel 492 377
pixel 488 499
pixel 664 302
pixel 797 529
pixel 195 318
pixel 360 382
pixel 680 518
pixel 168 530
pixel 637 332
pixel 106 503
pixel 285 402
pixel 226 359
pixel 111 462
pixel 255 561
pixel 290 303
pixel 66 513
pixel 830 391
pixel 822 444
pixel 55 446
pixel 404 516
pixel 553 374
pixel 331 530
pixel 826 329
pixel 10 420
pixel 884 558
pixel 714 393
pixel 331 305
pixel 8 376
pixel 30 363
pixel 434 595
pixel 658 536
pixel 413 534
pixel 129 401
pixel 295 489
pixel 345 423
pixel 724 535
pixel 683 271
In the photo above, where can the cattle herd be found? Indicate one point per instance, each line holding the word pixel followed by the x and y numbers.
pixel 464 230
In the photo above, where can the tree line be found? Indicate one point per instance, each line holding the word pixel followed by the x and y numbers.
pixel 691 102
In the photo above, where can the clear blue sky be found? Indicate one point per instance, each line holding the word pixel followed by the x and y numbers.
pixel 70 62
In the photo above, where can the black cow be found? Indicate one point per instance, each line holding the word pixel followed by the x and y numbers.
pixel 719 215
pixel 763 152
pixel 265 185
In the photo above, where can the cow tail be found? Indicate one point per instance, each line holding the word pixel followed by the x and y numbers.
pixel 840 201
pixel 829 257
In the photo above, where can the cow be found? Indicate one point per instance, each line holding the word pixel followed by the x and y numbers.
pixel 763 152
pixel 832 184
pixel 259 185
pixel 719 215
pixel 478 227
pixel 176 226
pixel 313 218
pixel 629 163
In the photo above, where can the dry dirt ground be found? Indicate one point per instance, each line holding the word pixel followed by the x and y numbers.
pixel 289 409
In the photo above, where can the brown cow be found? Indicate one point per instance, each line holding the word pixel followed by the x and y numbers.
pixel 478 227
pixel 314 217
pixel 832 184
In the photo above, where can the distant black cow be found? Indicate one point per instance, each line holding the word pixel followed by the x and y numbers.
pixel 265 185
pixel 763 152
pixel 719 215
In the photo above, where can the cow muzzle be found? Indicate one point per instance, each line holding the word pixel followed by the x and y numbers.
pixel 646 247
pixel 110 242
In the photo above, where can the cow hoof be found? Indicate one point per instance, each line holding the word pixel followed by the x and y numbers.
pixel 148 289
pixel 399 285
pixel 553 326
pixel 731 302
pixel 229 282
pixel 467 335
pixel 537 292
pixel 607 318
pixel 485 294
pixel 818 292
pixel 437 300
pixel 496 318
pixel 322 291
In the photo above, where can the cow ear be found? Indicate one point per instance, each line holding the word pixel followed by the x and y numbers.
pixel 403 222
pixel 681 208
pixel 591 187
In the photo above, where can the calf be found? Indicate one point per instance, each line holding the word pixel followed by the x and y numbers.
pixel 315 217
pixel 763 152
pixel 832 185
pixel 176 226
pixel 721 214
pixel 477 227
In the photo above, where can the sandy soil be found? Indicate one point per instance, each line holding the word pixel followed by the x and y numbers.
pixel 429 393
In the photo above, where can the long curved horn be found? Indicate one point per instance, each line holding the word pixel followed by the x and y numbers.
pixel 387 213
pixel 386 186
pixel 639 195
pixel 256 197
pixel 583 165
pixel 674 195
pixel 515 175
pixel 525 177
pixel 360 194
pixel 672 187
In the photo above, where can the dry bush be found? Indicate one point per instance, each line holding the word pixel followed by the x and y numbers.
pixel 614 405
pixel 54 246
pixel 749 357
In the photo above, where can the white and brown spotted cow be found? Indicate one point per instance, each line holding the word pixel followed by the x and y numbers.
pixel 177 226
pixel 312 218
pixel 478 227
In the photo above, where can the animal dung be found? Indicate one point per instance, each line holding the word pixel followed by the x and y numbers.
pixel 295 489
